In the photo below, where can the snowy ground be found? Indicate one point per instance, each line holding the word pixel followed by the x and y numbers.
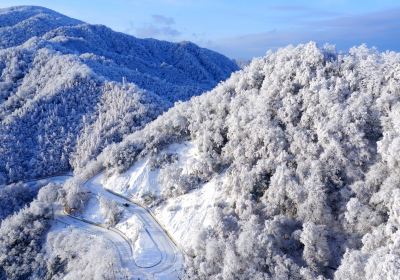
pixel 136 181
pixel 56 179
pixel 144 242
pixel 144 250
pixel 181 216
pixel 142 179
pixel 91 250
pixel 92 211
pixel 185 215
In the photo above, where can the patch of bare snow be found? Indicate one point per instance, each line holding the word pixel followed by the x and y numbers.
pixel 130 226
pixel 92 211
pixel 185 215
pixel 136 181
pixel 182 216
pixel 141 179
pixel 145 251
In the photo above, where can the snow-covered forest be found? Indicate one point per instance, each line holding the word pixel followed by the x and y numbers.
pixel 288 169
pixel 59 78
pixel 305 139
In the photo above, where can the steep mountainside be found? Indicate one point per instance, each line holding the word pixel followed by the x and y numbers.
pixel 291 171
pixel 63 80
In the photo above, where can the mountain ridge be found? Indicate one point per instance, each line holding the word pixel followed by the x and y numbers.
pixel 47 58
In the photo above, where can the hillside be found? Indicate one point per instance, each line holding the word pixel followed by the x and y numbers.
pixel 183 168
pixel 287 170
pixel 67 88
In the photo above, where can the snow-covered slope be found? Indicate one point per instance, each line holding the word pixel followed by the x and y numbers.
pixel 183 216
pixel 287 170
pixel 60 77
pixel 295 169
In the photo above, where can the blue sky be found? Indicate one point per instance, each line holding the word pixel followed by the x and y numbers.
pixel 243 29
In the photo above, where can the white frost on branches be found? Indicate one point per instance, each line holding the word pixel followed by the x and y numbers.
pixel 308 141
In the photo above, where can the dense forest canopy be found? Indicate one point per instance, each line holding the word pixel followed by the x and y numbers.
pixel 59 75
pixel 307 141
pixel 304 142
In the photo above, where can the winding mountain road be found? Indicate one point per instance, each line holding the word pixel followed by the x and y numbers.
pixel 165 266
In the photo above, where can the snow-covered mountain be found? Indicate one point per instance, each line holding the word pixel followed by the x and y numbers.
pixel 62 79
pixel 19 24
pixel 288 170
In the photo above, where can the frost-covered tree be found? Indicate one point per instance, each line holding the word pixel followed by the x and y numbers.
pixel 111 211
pixel 13 197
pixel 21 237
pixel 68 89
pixel 76 254
pixel 306 140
